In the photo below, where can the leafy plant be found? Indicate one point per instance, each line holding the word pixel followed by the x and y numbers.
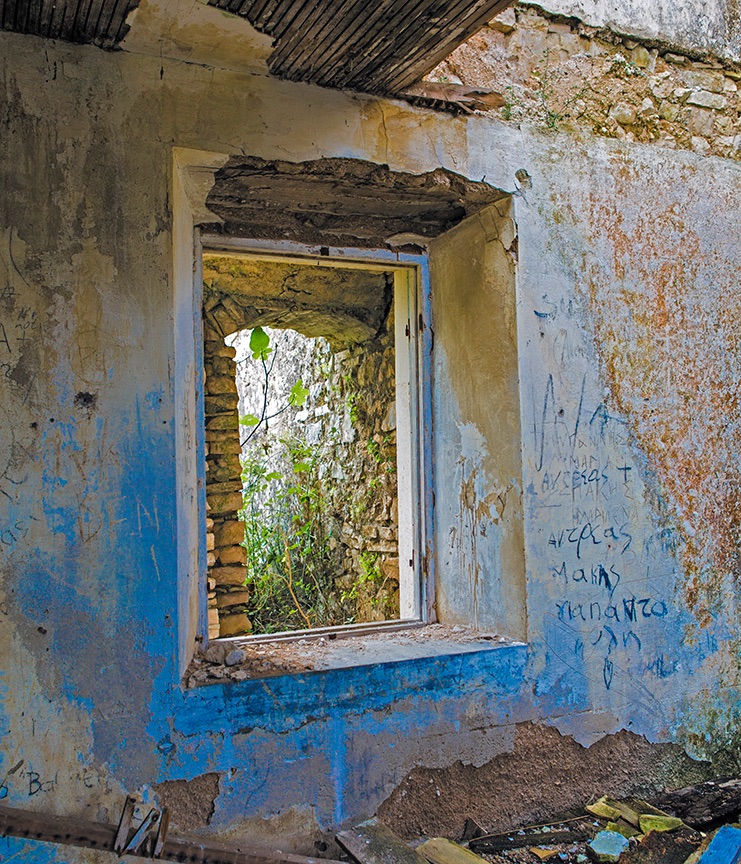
pixel 290 567
pixel 261 350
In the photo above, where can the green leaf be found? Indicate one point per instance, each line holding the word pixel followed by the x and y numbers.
pixel 259 344
pixel 249 420
pixel 302 466
pixel 299 394
pixel 273 475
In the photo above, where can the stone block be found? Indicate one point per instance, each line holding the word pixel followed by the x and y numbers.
pixel 234 625
pixel 661 85
pixel 220 473
pixel 384 548
pixel 222 505
pixel 209 542
pixel 505 22
pixel 700 122
pixel 224 444
pixel 229 575
pixel 218 348
pixel 222 487
pixel 390 568
pixel 641 57
pixel 218 367
pixel 669 111
pixel 215 436
pixel 223 422
pixel 233 598
pixel 706 99
pixel 225 403
pixel 216 386
pixel 233 555
pixel 700 145
pixel 623 113
pixel 229 533
pixel 700 79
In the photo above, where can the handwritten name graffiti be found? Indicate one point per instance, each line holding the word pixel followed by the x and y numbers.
pixel 631 609
pixel 590 535
pixel 27 782
pixel 609 610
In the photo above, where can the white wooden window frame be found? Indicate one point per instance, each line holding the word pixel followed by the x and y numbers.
pixel 410 275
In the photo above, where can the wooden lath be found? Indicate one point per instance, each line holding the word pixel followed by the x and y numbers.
pixel 382 47
pixel 96 22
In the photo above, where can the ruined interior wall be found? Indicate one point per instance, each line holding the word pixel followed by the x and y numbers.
pixel 609 382
pixel 566 75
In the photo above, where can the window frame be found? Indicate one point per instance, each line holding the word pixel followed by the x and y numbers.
pixel 414 427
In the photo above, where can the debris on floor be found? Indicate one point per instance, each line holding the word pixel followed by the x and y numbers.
pixel 688 826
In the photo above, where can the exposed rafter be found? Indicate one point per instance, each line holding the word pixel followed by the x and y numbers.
pixel 381 47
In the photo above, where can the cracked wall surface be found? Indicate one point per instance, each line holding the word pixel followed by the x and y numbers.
pixel 616 308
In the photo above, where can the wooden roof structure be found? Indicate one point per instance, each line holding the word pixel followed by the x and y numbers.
pixel 94 22
pixel 372 46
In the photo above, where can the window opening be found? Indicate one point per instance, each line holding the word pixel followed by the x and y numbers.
pixel 310 477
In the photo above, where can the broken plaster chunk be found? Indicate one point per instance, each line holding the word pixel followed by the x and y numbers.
pixel 607 846
pixel 649 822
pixel 235 657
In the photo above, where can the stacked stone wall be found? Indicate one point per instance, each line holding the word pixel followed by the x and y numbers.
pixel 227 594
pixel 559 73
pixel 349 417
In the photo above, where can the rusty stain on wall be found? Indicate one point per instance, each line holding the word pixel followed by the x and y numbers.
pixel 667 327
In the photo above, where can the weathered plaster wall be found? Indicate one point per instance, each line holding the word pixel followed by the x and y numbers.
pixel 478 484
pixel 712 25
pixel 626 270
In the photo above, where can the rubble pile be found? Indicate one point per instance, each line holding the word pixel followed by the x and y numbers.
pixel 696 825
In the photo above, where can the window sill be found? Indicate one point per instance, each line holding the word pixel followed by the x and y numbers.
pixel 236 660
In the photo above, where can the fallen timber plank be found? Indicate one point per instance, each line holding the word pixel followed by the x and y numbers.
pixel 372 842
pixel 438 850
pixel 705 803
pixel 70 831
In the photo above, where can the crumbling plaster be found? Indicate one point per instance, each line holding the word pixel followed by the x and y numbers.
pixel 710 26
pixel 98 616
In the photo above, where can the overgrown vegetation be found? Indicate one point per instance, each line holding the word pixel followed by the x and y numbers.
pixel 290 565
pixel 306 527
